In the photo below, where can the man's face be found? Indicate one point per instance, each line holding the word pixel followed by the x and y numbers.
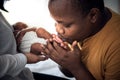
pixel 70 25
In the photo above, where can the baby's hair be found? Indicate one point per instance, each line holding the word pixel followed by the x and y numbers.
pixel 19 25
pixel 83 5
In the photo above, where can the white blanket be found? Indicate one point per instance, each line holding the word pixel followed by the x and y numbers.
pixel 46 67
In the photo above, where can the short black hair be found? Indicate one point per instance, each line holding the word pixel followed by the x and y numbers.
pixel 84 5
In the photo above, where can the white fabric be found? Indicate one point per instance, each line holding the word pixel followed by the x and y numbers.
pixel 28 39
pixel 46 67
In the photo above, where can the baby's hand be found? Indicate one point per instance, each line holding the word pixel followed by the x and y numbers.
pixel 65 45
pixel 36 48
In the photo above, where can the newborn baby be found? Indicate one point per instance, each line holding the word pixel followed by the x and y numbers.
pixel 25 36
pixel 20 30
pixel 39 38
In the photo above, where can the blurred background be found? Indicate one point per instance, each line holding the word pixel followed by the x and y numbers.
pixel 113 4
pixel 35 12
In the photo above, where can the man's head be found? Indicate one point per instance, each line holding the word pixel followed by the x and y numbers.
pixel 75 19
pixel 84 6
pixel 2 5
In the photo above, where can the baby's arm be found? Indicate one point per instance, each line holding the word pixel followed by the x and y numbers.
pixel 42 33
pixel 20 35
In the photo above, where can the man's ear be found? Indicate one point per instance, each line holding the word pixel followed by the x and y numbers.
pixel 93 14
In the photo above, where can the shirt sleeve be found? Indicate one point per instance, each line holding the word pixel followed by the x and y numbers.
pixel 112 69
pixel 12 64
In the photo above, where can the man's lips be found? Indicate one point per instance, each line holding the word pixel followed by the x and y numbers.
pixel 62 38
pixel 56 38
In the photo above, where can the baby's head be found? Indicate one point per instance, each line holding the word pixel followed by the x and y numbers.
pixel 19 26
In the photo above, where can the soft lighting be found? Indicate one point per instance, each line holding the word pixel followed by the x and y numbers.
pixel 33 12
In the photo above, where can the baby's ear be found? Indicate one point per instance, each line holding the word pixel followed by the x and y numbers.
pixel 42 33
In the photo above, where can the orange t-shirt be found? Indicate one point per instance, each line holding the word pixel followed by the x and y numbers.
pixel 101 52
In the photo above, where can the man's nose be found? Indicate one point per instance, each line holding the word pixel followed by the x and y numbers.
pixel 59 28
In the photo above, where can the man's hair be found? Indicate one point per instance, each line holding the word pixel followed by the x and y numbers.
pixel 84 5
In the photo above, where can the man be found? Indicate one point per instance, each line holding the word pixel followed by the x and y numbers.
pixel 97 28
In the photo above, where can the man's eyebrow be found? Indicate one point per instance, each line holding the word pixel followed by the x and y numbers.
pixel 60 21
pixel 65 23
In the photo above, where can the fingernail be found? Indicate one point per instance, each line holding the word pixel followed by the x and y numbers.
pixel 43 46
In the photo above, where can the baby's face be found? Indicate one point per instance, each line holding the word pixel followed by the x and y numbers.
pixel 70 25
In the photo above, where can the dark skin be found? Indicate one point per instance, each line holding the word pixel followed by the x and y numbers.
pixel 71 28
pixel 33 56
pixel 21 34
pixel 20 29
pixel 36 47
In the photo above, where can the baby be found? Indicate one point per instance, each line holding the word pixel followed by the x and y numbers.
pixel 18 27
pixel 41 36
pixel 25 37
pixel 20 30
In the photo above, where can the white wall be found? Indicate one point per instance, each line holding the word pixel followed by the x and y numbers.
pixel 113 4
pixel 33 12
